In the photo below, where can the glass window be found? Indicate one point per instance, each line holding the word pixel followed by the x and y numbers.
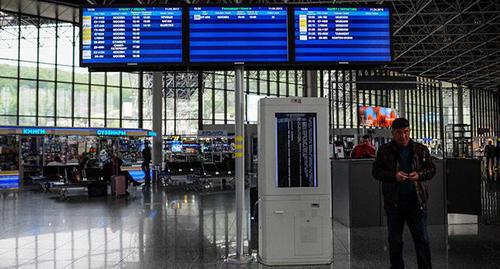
pixel 27 97
pixel 97 102
pixel 130 105
pixel 219 105
pixel 81 107
pixel 47 41
pixel 65 44
pixel 29 47
pixel 187 127
pixel 148 104
pixel 252 87
pixel 65 73
pixel 8 96
pixel 79 122
pixel 129 124
pixel 64 103
pixel 97 78
pixel 47 72
pixel 47 99
pixel 230 106
pixel 8 120
pixel 27 121
pixel 113 79
pixel 263 82
pixel 81 75
pixel 169 106
pixel 113 103
pixel 207 104
pixel 9 35
pixel 130 80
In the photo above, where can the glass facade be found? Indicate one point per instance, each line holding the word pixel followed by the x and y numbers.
pixel 42 84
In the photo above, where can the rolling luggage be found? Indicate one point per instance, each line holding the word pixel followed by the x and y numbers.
pixel 118 186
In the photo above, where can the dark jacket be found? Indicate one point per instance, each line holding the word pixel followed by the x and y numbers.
pixel 387 164
pixel 146 155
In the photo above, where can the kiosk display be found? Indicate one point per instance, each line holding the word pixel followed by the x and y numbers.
pixel 342 34
pixel 238 34
pixel 131 35
pixel 296 148
pixel 294 183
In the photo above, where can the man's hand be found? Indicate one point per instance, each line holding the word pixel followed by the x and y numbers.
pixel 401 176
pixel 413 176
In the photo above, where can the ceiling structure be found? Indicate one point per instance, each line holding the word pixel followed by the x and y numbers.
pixel 454 41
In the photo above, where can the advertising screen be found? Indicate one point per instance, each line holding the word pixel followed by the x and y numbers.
pixel 342 35
pixel 376 116
pixel 238 34
pixel 131 35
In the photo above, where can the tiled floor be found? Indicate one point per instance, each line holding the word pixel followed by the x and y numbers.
pixel 160 230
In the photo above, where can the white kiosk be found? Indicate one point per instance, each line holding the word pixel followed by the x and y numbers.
pixel 295 220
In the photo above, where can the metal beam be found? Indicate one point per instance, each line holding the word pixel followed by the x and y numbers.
pixel 438 28
pixel 485 75
pixel 469 63
pixel 412 17
pixel 462 54
pixel 475 70
pixel 451 43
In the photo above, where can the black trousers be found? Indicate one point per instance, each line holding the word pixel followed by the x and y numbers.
pixel 147 173
pixel 408 212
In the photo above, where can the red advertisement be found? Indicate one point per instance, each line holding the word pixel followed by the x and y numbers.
pixel 376 116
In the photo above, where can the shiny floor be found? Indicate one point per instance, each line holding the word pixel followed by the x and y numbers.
pixel 185 230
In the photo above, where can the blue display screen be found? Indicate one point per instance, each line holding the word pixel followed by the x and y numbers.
pixel 9 182
pixel 238 34
pixel 324 34
pixel 131 35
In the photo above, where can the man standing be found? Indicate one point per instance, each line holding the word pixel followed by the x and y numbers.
pixel 497 153
pixel 146 160
pixel 364 149
pixel 489 153
pixel 404 166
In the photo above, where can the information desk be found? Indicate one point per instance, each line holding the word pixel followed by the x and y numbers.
pixel 357 196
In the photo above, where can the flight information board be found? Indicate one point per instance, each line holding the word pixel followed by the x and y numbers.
pixel 238 34
pixel 336 34
pixel 133 35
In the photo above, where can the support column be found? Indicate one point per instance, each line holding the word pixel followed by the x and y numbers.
pixel 200 100
pixel 310 79
pixel 460 105
pixel 157 118
pixel 239 257
pixel 402 103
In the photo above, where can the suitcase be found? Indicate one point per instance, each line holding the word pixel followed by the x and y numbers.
pixel 118 186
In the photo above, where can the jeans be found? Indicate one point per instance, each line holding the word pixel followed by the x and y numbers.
pixel 416 218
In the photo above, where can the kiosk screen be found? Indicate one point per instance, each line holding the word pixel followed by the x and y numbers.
pixel 296 150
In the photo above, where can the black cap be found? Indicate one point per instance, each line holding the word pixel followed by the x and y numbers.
pixel 400 123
